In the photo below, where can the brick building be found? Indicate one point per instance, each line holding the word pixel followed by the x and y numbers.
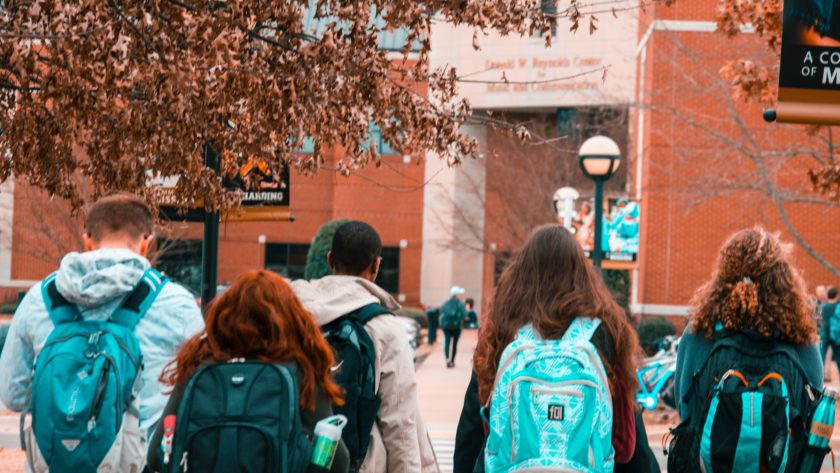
pixel 701 164
pixel 706 165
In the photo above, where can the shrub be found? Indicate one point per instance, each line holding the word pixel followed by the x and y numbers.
pixel 652 330
pixel 414 313
pixel 4 330
pixel 618 282
pixel 316 259
pixel 8 309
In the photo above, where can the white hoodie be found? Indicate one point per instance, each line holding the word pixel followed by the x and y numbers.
pixel 399 441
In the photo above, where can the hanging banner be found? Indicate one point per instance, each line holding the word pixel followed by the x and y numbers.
pixel 809 76
pixel 620 231
pixel 268 202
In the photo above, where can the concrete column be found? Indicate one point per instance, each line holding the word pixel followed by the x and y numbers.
pixel 453 227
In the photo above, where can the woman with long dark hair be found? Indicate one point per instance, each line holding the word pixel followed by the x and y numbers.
pixel 260 318
pixel 548 286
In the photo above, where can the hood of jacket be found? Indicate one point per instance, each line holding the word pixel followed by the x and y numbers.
pixel 331 297
pixel 96 278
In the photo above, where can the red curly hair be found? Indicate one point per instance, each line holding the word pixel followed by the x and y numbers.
pixel 755 287
pixel 260 317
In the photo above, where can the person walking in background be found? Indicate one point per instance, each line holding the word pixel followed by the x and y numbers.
pixel 254 325
pixel 452 316
pixel 751 333
pixel 555 365
pixel 94 320
pixel 830 326
pixel 433 316
pixel 396 440
pixel 472 316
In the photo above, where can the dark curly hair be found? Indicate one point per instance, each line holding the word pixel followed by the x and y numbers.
pixel 755 287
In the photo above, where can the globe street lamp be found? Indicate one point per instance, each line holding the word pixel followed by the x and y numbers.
pixel 599 158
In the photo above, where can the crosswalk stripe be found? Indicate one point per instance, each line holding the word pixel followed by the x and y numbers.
pixel 444 450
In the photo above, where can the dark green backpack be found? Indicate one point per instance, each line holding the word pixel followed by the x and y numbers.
pixel 750 403
pixel 451 315
pixel 241 416
pixel 356 373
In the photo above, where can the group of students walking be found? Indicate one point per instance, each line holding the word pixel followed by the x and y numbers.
pixel 116 370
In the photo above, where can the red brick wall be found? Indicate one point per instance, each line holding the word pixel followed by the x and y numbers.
pixel 680 238
pixel 389 197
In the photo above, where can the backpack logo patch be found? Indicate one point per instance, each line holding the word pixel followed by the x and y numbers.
pixel 71 444
pixel 555 412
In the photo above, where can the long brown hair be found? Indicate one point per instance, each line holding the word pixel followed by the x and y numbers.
pixel 755 287
pixel 548 284
pixel 260 317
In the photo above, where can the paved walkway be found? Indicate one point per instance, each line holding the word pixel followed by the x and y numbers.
pixel 441 392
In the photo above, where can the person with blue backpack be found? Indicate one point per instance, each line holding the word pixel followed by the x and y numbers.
pixel 453 313
pixel 88 343
pixel 555 367
pixel 748 370
pixel 251 390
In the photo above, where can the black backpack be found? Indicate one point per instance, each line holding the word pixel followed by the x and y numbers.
pixel 750 404
pixel 356 373
pixel 241 416
pixel 450 315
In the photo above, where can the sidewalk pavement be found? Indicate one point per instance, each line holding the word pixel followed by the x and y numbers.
pixel 441 393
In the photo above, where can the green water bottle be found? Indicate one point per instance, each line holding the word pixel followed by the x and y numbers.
pixel 822 426
pixel 327 437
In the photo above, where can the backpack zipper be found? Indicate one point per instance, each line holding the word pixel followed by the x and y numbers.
pixel 752 409
pixel 184 465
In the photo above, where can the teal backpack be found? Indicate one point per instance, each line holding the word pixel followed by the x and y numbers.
pixel 84 410
pixel 551 408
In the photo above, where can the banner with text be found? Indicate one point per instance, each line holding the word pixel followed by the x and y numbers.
pixel 809 75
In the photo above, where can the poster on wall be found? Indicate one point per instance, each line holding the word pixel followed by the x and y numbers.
pixel 620 229
pixel 268 201
pixel 809 75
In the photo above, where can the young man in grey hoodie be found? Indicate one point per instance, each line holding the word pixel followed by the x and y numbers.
pixel 399 441
pixel 118 233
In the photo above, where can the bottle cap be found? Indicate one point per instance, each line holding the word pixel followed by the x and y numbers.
pixel 830 392
pixel 331 427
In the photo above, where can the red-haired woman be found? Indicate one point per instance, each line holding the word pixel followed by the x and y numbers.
pixel 259 318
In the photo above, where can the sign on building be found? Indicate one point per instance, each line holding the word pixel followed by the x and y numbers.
pixel 809 76
pixel 269 200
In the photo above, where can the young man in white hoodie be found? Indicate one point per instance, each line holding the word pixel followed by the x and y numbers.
pixel 399 441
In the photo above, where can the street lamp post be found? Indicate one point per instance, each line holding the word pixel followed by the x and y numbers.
pixel 599 158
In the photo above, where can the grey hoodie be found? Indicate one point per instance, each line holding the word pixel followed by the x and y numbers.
pixel 399 441
pixel 96 281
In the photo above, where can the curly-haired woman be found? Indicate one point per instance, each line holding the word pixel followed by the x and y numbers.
pixel 257 318
pixel 755 290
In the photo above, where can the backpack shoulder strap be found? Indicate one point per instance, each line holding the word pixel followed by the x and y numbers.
pixel 140 299
pixel 58 307
pixel 581 330
pixel 367 313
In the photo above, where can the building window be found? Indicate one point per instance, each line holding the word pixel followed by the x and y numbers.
pixel 568 120
pixel 389 270
pixel 180 261
pixel 549 7
pixel 286 259
pixel 382 146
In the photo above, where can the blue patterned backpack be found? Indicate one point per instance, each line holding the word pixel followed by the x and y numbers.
pixel 551 408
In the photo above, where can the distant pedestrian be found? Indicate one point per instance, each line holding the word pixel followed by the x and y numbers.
pixel 386 433
pixel 748 364
pixel 102 328
pixel 472 316
pixel 830 320
pixel 260 358
pixel 452 316
pixel 555 366
pixel 433 316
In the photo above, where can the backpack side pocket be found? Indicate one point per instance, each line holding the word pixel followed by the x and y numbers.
pixel 682 449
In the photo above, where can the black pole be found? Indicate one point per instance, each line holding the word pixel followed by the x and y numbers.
pixel 599 222
pixel 210 245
